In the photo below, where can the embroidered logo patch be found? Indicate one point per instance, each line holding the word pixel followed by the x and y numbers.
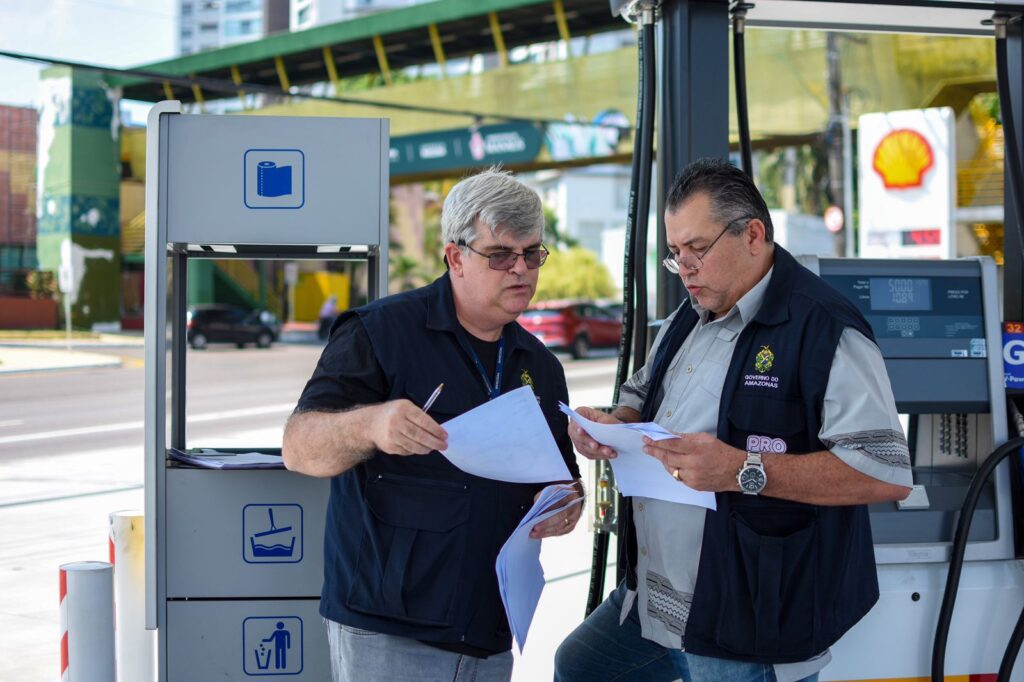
pixel 763 360
pixel 526 379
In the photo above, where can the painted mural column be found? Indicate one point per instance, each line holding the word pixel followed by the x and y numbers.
pixel 77 207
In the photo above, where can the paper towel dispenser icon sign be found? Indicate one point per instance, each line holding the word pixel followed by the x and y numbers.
pixel 274 178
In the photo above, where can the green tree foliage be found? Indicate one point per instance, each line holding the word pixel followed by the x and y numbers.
pixel 810 178
pixel 574 273
pixel 407 272
pixel 552 235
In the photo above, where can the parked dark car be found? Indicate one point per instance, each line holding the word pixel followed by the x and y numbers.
pixel 218 323
pixel 574 326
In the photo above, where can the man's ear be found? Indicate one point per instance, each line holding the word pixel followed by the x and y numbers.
pixel 453 258
pixel 755 235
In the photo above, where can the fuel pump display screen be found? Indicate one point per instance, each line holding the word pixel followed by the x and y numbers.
pixel 919 317
pixel 900 293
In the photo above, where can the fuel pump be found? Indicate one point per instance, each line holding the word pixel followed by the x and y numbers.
pixel 938 324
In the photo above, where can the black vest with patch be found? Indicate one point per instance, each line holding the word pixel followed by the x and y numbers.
pixel 410 542
pixel 778 581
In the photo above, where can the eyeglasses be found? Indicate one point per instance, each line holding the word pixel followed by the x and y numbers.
pixel 506 260
pixel 675 263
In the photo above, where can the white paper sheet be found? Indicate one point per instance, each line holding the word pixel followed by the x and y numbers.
pixel 506 439
pixel 212 459
pixel 518 567
pixel 638 474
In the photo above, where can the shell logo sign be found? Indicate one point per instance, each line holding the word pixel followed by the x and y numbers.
pixel 907 170
pixel 902 158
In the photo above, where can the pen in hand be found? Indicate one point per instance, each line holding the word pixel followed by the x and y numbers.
pixel 433 397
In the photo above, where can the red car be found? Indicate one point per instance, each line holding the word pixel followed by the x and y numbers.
pixel 574 326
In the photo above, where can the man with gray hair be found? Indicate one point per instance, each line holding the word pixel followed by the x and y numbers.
pixel 410 590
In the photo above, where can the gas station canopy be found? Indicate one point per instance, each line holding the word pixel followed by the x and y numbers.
pixel 962 17
pixel 462 27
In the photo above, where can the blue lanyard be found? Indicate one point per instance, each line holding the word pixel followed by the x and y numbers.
pixel 493 391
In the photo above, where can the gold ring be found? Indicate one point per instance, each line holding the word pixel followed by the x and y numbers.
pixel 675 474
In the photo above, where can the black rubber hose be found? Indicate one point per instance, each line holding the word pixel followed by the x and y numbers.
pixel 598 562
pixel 956 560
pixel 740 76
pixel 643 202
pixel 1013 165
pixel 1012 649
pixel 1012 153
pixel 637 197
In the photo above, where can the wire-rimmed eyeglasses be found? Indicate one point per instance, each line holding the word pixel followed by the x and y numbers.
pixel 506 260
pixel 693 262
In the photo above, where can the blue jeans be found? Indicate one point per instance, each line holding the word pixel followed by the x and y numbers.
pixel 364 656
pixel 602 650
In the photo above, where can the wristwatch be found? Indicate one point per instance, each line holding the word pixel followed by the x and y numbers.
pixel 751 477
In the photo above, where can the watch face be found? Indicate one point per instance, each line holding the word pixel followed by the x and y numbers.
pixel 752 480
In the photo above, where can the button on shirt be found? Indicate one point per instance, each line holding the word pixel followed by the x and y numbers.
pixel 859 425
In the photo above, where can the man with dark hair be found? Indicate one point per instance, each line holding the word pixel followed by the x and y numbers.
pixel 410 590
pixel 779 397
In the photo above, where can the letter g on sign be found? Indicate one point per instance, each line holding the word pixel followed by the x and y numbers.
pixel 1013 352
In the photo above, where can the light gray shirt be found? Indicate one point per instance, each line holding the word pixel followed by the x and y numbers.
pixel 860 425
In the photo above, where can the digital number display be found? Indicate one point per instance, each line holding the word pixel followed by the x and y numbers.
pixel 900 293
pixel 922 237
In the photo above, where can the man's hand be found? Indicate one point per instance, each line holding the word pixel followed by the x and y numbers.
pixel 585 444
pixel 699 460
pixel 398 427
pixel 564 522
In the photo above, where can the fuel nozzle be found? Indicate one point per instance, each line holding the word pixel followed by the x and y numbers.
pixel 604 505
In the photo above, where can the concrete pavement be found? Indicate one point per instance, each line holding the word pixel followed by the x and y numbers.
pixel 40 351
pixel 54 508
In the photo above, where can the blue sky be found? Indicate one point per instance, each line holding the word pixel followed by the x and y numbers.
pixel 109 32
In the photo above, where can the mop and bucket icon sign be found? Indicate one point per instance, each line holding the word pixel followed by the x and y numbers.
pixel 271 542
pixel 272 533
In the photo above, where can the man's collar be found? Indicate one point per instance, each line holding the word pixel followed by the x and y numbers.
pixel 441 315
pixel 775 307
pixel 750 303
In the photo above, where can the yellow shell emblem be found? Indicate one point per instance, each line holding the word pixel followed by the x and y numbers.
pixel 763 360
pixel 902 158
pixel 526 379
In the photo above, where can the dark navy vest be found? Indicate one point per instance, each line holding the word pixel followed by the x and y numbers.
pixel 778 581
pixel 410 542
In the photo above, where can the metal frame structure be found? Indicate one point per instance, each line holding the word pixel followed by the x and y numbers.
pixel 168 251
pixel 695 106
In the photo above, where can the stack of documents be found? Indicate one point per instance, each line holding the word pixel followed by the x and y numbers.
pixel 212 459
pixel 638 474
pixel 520 575
pixel 506 439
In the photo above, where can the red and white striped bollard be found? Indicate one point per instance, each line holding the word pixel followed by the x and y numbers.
pixel 87 622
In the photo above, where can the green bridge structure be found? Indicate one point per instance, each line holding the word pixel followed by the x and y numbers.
pixel 569 103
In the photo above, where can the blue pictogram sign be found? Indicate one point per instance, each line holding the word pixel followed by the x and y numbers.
pixel 1013 354
pixel 274 178
pixel 272 533
pixel 272 645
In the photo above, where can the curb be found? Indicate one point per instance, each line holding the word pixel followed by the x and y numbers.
pixel 30 370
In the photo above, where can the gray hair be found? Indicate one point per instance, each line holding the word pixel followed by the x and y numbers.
pixel 734 197
pixel 503 204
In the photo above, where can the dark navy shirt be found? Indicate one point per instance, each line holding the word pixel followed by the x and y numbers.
pixel 350 374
